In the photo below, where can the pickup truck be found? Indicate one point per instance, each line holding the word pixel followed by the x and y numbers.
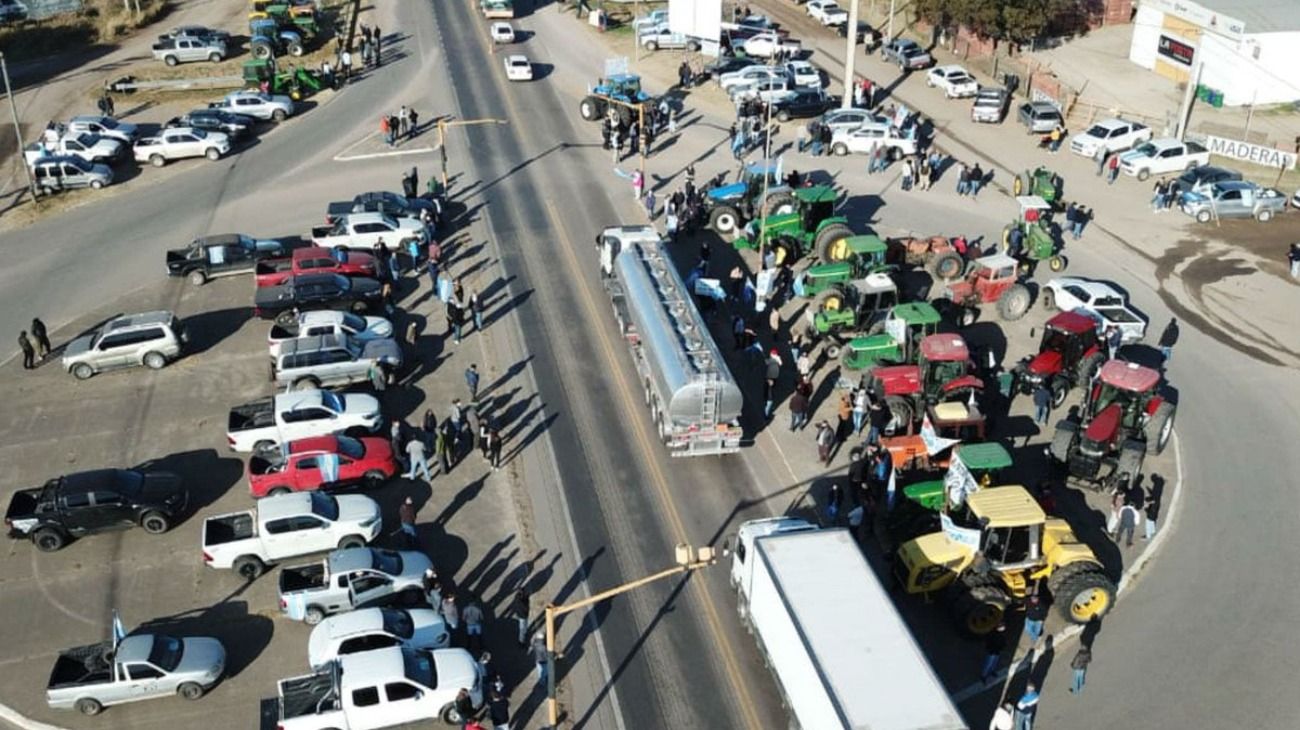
pixel 87 502
pixel 227 254
pixel 381 688
pixel 172 50
pixel 178 143
pixel 333 360
pixel 827 12
pixel 89 147
pixel 351 579
pixel 282 303
pixel 768 44
pixel 1099 300
pixel 1109 135
pixel 255 104
pixel 1162 156
pixel 268 422
pixel 907 53
pixel 288 526
pixel 138 667
pixel 656 38
pixel 321 462
pixel 379 201
pixel 375 628
pixel 328 322
pixel 314 260
pixel 364 230
pixel 124 132
pixel 1234 199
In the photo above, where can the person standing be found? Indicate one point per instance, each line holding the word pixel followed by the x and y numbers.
pixel 1151 507
pixel 799 405
pixel 472 380
pixel 29 352
pixel 924 174
pixel 518 612
pixel 379 50
pixel 419 462
pixel 452 312
pixel 1293 259
pixel 402 121
pixel 395 433
pixel 1042 403
pixel 976 179
pixel 1128 518
pixel 498 710
pixel 1035 615
pixel 963 179
pixel 494 448
pixel 1168 339
pixel 825 442
pixel 476 309
pixel 442 445
pixel 1027 707
pixel 406 516
pixel 385 130
pixel 541 657
pixel 844 412
pixel 473 615
pixel 1101 159
pixel 345 65
pixel 450 611
pixel 1080 664
pixel 1158 193
pixel 1081 217
pixel 1114 340
pixel 42 338
pixel 834 501
pixel 994 644
pixel 909 173
pixel 1112 169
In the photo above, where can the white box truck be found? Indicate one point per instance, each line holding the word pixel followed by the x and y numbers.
pixel 842 656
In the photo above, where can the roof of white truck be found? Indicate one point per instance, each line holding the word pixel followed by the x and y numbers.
pixel 845 617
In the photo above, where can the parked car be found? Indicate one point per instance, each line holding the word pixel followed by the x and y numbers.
pixel 332 360
pixel 1202 177
pixel 955 81
pixel 654 19
pixel 235 126
pixel 1234 199
pixel 84 503
pixel 388 203
pixel 350 579
pixel 803 73
pixel 288 526
pixel 151 339
pixel 266 423
pixel 518 67
pixel 256 104
pixel 356 294
pixel 179 143
pixel 314 260
pixel 716 68
pixel 1039 116
pixel 104 127
pixel 502 32
pixel 769 91
pixel 1109 135
pixel 328 322
pixel 321 462
pixel 868 137
pixel 804 103
pixel 89 147
pixel 137 667
pixel 1099 300
pixel 746 75
pixel 375 628
pixel 196 31
pixel 768 44
pixel 364 230
pixel 840 120
pixel 227 254
pixel 1162 156
pixel 907 53
pixel 659 37
pixel 172 50
pixel 52 174
pixel 827 12
pixel 990 105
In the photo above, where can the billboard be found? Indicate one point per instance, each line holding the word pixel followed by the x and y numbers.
pixel 697 18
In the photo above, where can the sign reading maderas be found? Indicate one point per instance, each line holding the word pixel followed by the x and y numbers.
pixel 1253 153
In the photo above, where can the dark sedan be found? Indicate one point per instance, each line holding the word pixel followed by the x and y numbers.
pixel 317 291
pixel 805 103
pixel 216 120
pixel 1204 176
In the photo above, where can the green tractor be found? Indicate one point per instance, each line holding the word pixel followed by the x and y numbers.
pixel 1036 242
pixel 301 15
pixel 891 340
pixel 812 228
pixel 866 255
pixel 918 512
pixel 1041 182
pixel 295 82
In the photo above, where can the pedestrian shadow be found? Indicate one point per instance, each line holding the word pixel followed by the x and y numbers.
pixel 516 578
pixel 478 574
pixel 515 302
pixel 489 405
pixel 1042 663
pixel 507 376
pixel 466 495
pixel 537 430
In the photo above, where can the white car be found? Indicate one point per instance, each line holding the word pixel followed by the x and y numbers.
pixel 375 628
pixel 805 74
pixel 747 75
pixel 181 142
pixel 956 82
pixel 255 104
pixel 840 120
pixel 1099 300
pixel 1162 156
pixel 767 90
pixel 319 322
pixel 89 147
pixel 502 33
pixel 868 137
pixel 827 12
pixel 124 132
pixel 518 68
pixel 1109 135
pixel 766 45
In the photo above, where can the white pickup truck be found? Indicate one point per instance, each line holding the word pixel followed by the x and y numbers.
pixel 177 143
pixel 364 230
pixel 350 579
pixel 328 322
pixel 89 147
pixel 288 526
pixel 268 422
pixel 381 688
pixel 1160 156
pixel 1109 135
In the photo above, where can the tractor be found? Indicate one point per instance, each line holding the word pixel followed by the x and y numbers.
pixel 302 15
pixel 893 341
pixel 733 205
pixel 295 82
pixel 991 279
pixel 994 551
pixel 935 254
pixel 1041 182
pixel 1068 356
pixel 812 227
pixel 1036 241
pixel 267 40
pixel 850 315
pixel 918 512
pixel 828 282
pixel 1123 419
pixel 621 91
pixel 942 374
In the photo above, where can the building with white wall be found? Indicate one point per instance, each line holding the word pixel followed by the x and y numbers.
pixel 1249 49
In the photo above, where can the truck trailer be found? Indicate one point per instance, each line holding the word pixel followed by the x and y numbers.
pixel 693 399
pixel 842 656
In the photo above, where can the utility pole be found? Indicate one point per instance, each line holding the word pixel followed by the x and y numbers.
pixel 1193 79
pixel 889 34
pixel 442 138
pixel 641 129
pixel 688 559
pixel 851 45
pixel 18 130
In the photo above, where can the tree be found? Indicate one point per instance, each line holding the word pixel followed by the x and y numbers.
pixel 1010 20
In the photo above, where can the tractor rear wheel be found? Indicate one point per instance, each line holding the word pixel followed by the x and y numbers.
pixel 1084 594
pixel 946 266
pixel 1014 302
pixel 724 220
pixel 1131 455
pixel 1159 428
pixel 624 116
pixel 1063 441
pixel 785 249
pixel 830 243
pixel 1056 263
pixel 832 299
pixel 1087 368
pixel 978 604
pixel 1059 389
pixel 779 204
pixel 1020 184
pixel 902 411
pixel 591 108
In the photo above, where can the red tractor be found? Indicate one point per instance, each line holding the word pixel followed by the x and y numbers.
pixel 942 375
pixel 1068 357
pixel 991 279
pixel 1123 420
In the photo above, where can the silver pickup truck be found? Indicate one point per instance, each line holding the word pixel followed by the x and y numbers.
pixel 141 667
pixel 352 578
pixel 172 50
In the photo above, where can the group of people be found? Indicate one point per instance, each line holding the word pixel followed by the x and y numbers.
pixel 404 124
pixel 41 349
pixel 1165 193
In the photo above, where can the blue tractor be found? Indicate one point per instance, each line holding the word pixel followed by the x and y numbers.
pixel 623 88
pixel 759 191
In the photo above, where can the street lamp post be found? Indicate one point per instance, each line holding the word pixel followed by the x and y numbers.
pixel 640 116
pixel 442 138
pixel 852 44
pixel 689 559
pixel 18 131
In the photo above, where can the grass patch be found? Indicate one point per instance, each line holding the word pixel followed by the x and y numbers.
pixel 99 21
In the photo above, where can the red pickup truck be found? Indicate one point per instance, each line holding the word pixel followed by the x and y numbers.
pixel 321 462
pixel 314 260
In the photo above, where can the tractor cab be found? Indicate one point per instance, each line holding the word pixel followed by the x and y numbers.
pixel 910 323
pixel 1035 241
pixel 1068 355
pixel 984 461
pixel 624 87
pixel 1121 393
pixel 857 305
pixel 759 190
pixel 942 373
pixel 1039 182
pixel 992 279
pixel 815 204
pixel 864 256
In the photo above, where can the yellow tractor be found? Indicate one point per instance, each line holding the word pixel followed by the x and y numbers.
pixel 993 550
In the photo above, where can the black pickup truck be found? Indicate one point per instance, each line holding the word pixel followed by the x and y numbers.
pixel 228 254
pixel 95 501
pixel 382 202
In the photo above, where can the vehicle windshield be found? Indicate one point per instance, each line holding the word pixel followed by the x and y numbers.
pixel 354 322
pixel 199 133
pixel 1097 130
pixel 419 668
pixel 107 123
pixel 166 653
pixel 351 447
pixel 333 401
pixel 386 561
pixel 398 623
pixel 323 505
pixel 127 483
pixel 1146 150
pixel 88 140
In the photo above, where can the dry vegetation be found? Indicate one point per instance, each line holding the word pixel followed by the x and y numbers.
pixel 99 21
